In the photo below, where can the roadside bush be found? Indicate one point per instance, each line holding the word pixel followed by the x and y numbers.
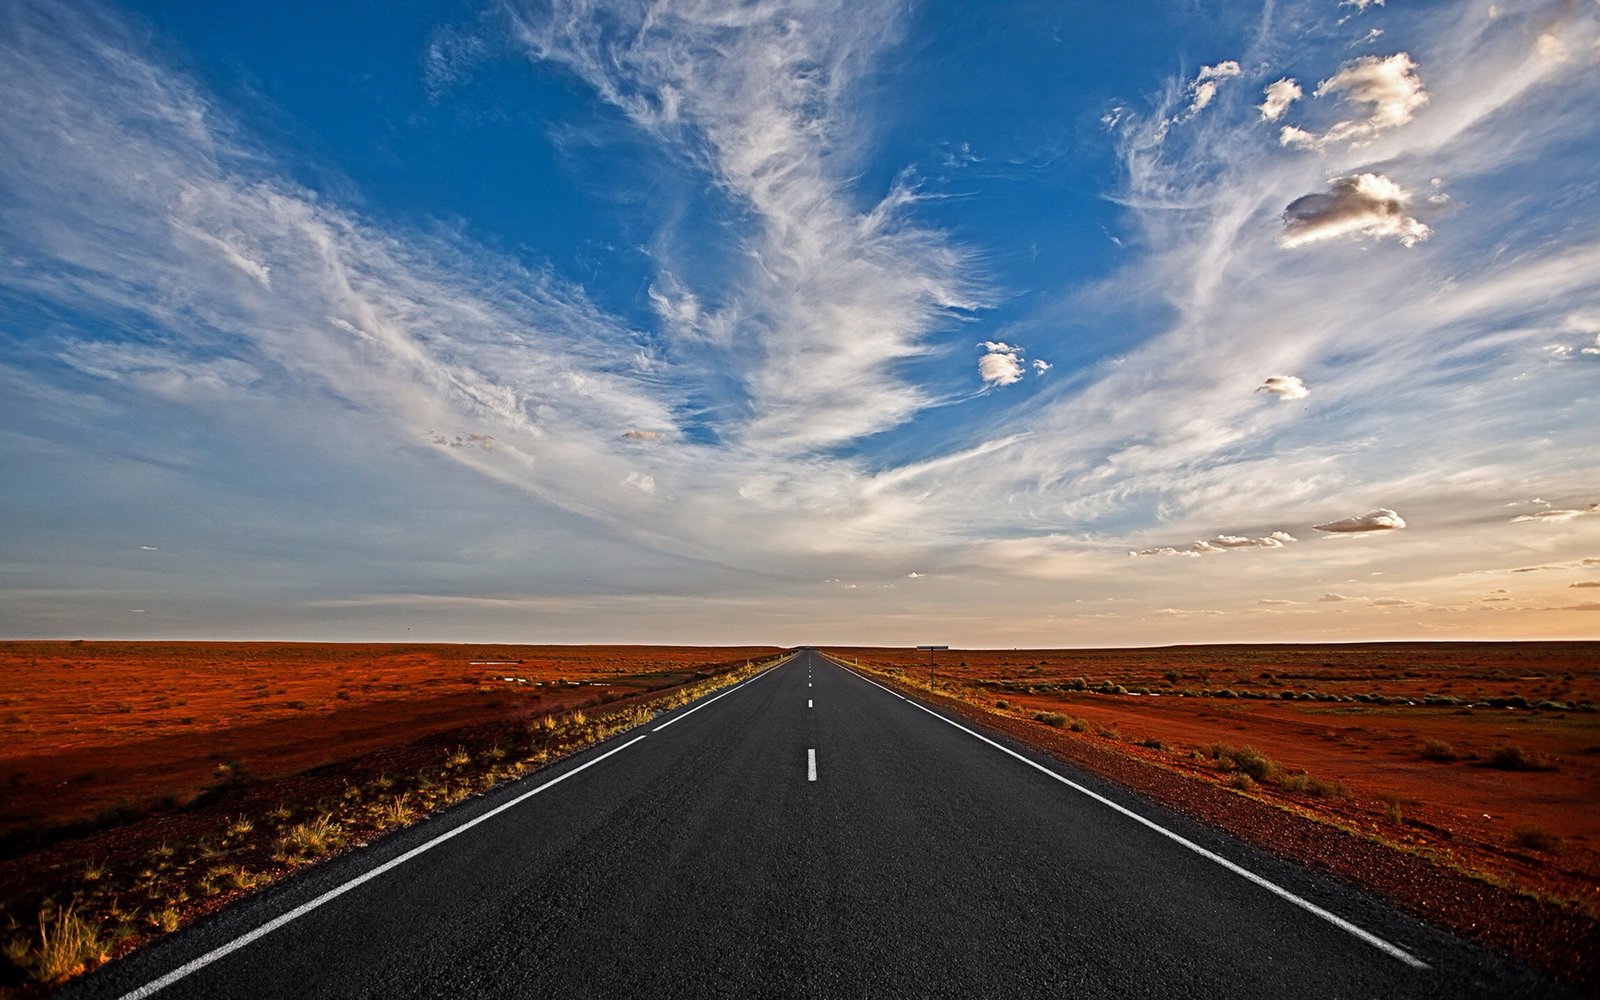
pixel 1243 782
pixel 1079 726
pixel 1002 703
pixel 1252 762
pixel 1513 758
pixel 1392 810
pixel 1305 784
pixel 1439 750
pixel 1050 718
pixel 1152 744
pixel 1536 839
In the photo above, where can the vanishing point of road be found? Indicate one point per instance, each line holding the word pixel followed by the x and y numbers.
pixel 809 833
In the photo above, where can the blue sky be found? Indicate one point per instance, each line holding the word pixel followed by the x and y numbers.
pixel 800 321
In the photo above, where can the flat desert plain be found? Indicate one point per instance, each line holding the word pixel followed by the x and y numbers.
pixel 97 731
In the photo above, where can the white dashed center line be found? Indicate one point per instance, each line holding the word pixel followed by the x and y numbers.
pixel 808 702
pixel 811 765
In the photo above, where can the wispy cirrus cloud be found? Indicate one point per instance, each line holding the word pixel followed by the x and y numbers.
pixel 1556 516
pixel 764 98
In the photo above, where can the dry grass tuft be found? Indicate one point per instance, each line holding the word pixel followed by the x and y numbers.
pixel 68 945
pixel 305 841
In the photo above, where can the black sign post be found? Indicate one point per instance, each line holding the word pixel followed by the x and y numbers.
pixel 931 650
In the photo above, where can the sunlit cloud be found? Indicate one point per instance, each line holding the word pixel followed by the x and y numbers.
pixel 1001 363
pixel 1221 543
pixel 1285 387
pixel 1367 205
pixel 1386 90
pixel 1381 519
pixel 1556 516
pixel 1279 95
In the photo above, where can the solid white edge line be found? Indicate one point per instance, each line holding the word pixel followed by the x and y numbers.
pixel 196 964
pixel 811 765
pixel 1392 950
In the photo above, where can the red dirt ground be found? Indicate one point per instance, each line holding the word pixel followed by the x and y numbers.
pixel 97 726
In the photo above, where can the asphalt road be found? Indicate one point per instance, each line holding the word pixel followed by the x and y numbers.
pixel 809 834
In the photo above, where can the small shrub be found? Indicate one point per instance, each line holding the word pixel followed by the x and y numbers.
pixel 1305 784
pixel 1392 811
pixel 240 826
pixel 1002 703
pixel 1078 726
pixel 1153 744
pixel 1439 750
pixel 1513 758
pixel 1243 782
pixel 1251 761
pixel 1050 718
pixel 1536 839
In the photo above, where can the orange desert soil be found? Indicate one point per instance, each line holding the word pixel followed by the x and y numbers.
pixel 100 728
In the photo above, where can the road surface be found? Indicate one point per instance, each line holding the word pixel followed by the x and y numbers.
pixel 810 834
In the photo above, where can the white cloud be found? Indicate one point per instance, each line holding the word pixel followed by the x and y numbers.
pixel 1386 88
pixel 915 576
pixel 1040 367
pixel 1279 95
pixel 163 370
pixel 1285 387
pixel 765 99
pixel 148 548
pixel 1361 205
pixel 645 435
pixel 1202 90
pixel 1556 516
pixel 1382 519
pixel 1331 598
pixel 641 481
pixel 1361 5
pixel 1221 543
pixel 1001 364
